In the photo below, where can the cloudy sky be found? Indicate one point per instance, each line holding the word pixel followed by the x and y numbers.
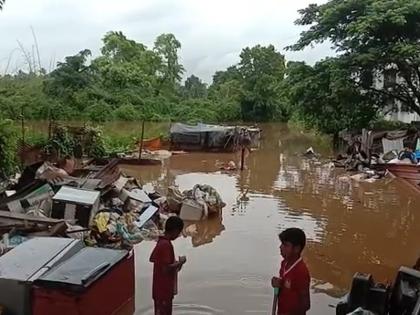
pixel 212 32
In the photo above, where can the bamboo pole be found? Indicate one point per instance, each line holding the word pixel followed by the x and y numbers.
pixel 141 140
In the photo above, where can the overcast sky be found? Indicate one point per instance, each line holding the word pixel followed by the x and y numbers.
pixel 212 32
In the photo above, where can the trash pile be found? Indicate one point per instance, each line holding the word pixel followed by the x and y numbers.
pixel 373 154
pixel 193 205
pixel 96 203
pixel 380 147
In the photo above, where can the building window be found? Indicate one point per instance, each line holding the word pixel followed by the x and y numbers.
pixel 390 78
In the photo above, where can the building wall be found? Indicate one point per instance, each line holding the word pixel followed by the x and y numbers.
pixel 395 112
pixel 403 116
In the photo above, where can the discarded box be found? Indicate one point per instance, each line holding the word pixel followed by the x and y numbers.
pixel 34 197
pixel 71 203
pixel 21 266
pixel 191 210
pixel 136 194
pixel 146 216
pixel 94 281
pixel 174 199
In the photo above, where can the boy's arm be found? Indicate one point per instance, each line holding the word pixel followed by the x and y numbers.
pixel 162 256
pixel 175 266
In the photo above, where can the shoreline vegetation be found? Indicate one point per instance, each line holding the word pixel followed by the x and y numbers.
pixel 129 81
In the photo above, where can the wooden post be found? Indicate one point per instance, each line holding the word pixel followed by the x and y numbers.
pixel 141 140
pixel 49 122
pixel 242 158
pixel 22 118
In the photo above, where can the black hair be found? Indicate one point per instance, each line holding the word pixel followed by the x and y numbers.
pixel 294 236
pixel 174 224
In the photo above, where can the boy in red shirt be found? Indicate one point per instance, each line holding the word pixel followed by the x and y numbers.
pixel 166 268
pixel 294 280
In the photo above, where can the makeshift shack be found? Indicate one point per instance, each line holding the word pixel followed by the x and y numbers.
pixel 203 137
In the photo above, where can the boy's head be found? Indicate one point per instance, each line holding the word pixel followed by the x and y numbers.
pixel 293 241
pixel 173 227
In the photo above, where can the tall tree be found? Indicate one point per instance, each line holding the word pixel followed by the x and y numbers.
pixel 194 87
pixel 70 76
pixel 2 3
pixel 262 71
pixel 69 80
pixel 126 64
pixel 167 46
pixel 324 97
pixel 372 36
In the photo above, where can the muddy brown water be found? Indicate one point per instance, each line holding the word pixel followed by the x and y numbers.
pixel 351 226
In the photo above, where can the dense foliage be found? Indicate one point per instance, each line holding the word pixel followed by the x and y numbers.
pixel 129 81
pixel 8 148
pixel 374 39
pixel 324 97
pixel 377 63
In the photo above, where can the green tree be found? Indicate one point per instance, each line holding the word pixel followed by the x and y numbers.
pixel 324 97
pixel 126 64
pixel 194 88
pixel 167 46
pixel 69 82
pixel 8 148
pixel 372 37
pixel 262 70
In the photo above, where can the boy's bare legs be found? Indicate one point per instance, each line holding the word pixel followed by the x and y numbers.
pixel 163 307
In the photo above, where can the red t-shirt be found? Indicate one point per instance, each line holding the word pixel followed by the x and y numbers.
pixel 295 282
pixel 163 280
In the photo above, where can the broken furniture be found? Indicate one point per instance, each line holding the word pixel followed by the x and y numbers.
pixel 72 203
pixel 93 281
pixel 21 266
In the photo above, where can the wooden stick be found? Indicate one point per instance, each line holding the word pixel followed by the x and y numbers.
pixel 275 301
pixel 141 140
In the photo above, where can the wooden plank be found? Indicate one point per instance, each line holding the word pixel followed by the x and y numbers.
pixel 24 217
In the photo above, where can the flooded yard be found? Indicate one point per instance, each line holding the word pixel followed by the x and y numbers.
pixel 351 227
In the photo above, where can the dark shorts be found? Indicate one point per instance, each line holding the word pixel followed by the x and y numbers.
pixel 163 307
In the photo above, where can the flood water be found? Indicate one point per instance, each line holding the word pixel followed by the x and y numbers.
pixel 350 226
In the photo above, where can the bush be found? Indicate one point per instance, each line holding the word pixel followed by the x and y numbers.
pixel 126 112
pixel 100 111
pixel 8 148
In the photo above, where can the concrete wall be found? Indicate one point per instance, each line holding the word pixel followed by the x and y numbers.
pixel 397 114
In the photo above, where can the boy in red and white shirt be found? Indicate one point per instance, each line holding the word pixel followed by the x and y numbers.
pixel 294 279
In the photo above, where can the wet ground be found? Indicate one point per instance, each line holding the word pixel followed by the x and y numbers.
pixel 351 227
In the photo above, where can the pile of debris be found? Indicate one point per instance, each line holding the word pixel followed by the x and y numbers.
pixel 371 152
pixel 95 203
pixel 194 205
pixel 379 147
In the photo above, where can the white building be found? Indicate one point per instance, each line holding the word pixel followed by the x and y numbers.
pixel 396 111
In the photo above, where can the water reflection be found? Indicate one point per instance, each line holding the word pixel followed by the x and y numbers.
pixel 202 233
